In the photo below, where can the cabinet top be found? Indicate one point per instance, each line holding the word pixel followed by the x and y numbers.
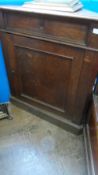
pixel 82 14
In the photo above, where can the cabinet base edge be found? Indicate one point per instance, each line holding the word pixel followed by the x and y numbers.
pixel 52 118
pixel 88 151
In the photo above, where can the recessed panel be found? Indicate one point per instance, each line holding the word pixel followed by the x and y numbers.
pixel 43 76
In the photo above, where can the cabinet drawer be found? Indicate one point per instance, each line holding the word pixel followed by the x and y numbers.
pixel 22 23
pixel 93 36
pixel 1 20
pixel 65 31
pixel 48 27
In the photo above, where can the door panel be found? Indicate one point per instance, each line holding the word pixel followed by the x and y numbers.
pixel 43 76
pixel 48 77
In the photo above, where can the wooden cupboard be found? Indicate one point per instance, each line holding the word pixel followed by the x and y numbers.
pixel 52 62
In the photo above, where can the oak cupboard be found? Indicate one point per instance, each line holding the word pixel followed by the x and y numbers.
pixel 52 62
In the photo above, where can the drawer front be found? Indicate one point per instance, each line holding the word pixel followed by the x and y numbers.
pixel 65 31
pixel 93 36
pixel 21 22
pixel 49 27
pixel 1 20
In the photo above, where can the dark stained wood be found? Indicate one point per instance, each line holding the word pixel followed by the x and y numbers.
pixel 93 129
pixel 65 31
pixel 33 24
pixel 93 38
pixel 87 77
pixel 96 91
pixel 45 46
pixel 38 72
pixel 1 20
pixel 22 22
pixel 51 62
